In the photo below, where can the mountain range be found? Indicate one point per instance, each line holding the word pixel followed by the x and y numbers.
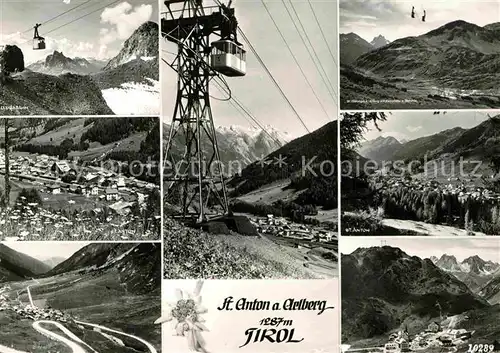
pixel 473 271
pixel 115 285
pixel 58 64
pixel 316 149
pixel 457 46
pixel 379 41
pixel 352 47
pixel 237 143
pixel 128 84
pixel 380 149
pixel 137 264
pixel 480 141
pixel 384 289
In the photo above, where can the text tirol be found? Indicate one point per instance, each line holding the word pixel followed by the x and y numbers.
pixel 257 335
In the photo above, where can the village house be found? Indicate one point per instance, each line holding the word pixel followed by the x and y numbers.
pixel 120 184
pixel 446 340
pixel 54 189
pixel 94 190
pixel 60 167
pixel 90 178
pixel 111 194
pixel 122 207
pixel 82 190
pixel 433 327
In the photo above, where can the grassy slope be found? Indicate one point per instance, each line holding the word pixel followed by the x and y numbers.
pixel 44 94
pixel 360 91
pixel 194 254
pixel 75 128
pixel 20 263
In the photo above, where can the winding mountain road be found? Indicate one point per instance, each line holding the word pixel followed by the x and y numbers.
pixel 71 340
pixel 75 343
pixel 151 348
pixel 75 347
pixel 4 349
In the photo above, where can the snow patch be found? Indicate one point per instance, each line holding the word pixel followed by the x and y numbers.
pixel 131 58
pixel 134 98
pixel 148 58
pixel 110 260
pixel 465 267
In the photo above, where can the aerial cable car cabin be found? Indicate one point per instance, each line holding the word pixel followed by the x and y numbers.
pixel 228 58
pixel 413 13
pixel 38 41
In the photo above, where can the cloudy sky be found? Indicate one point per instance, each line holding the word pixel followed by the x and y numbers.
pixel 255 90
pixel 369 18
pixel 461 248
pixel 412 125
pixel 98 35
pixel 47 249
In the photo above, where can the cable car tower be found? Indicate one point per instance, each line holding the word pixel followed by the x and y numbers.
pixel 196 181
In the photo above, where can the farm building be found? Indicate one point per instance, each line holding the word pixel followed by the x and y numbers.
pixel 60 167
pixel 121 207
pixel 94 191
pixel 434 327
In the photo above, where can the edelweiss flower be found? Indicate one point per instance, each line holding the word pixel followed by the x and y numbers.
pixel 185 315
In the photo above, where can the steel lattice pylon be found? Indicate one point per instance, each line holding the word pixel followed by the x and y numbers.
pixel 194 180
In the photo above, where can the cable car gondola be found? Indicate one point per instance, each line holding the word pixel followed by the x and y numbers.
pixel 423 17
pixel 228 58
pixel 413 12
pixel 38 41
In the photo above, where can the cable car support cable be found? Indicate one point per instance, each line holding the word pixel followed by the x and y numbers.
pixel 268 72
pixel 296 60
pixel 322 33
pixel 332 95
pixel 312 46
pixel 272 78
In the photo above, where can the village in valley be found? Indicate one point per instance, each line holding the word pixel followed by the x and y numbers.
pixel 445 182
pixel 56 197
pixel 433 337
pixel 307 235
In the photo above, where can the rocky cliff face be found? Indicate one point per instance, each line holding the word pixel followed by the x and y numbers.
pixel 143 44
pixel 379 41
pixel 384 288
pixel 11 59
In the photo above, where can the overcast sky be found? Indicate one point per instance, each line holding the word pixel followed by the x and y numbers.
pixel 255 90
pixel 47 249
pixel 369 18
pixel 461 248
pixel 411 125
pixel 98 35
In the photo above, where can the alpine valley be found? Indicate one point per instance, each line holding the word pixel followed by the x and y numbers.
pixel 453 66
pixel 444 183
pixel 103 298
